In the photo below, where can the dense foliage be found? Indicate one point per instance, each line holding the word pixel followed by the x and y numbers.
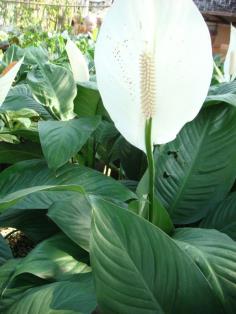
pixel 53 42
pixel 58 147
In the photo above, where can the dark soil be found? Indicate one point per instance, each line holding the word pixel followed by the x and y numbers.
pixel 19 244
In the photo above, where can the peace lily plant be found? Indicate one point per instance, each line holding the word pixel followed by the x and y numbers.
pixel 150 71
pixel 98 245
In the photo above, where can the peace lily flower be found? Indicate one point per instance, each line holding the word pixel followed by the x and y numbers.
pixel 230 60
pixel 154 63
pixel 229 74
pixel 78 63
pixel 7 78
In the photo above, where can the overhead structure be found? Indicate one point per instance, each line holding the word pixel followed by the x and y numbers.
pixel 218 11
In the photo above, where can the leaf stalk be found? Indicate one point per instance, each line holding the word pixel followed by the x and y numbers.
pixel 151 168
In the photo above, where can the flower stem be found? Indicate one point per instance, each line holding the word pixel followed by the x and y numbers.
pixel 151 168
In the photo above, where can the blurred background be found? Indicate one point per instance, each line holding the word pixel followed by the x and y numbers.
pixel 24 21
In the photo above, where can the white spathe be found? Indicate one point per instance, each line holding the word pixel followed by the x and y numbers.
pixel 78 62
pixel 230 60
pixel 7 80
pixel 177 37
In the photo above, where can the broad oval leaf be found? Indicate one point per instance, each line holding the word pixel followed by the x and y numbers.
pixel 53 86
pixel 88 100
pixel 223 217
pixel 12 153
pixel 65 297
pixel 139 269
pixel 62 140
pixel 56 258
pixel 215 255
pixel 12 198
pixel 6 271
pixel 33 173
pixel 197 170
pixel 30 222
pixel 20 97
pixel 35 55
pixel 75 221
pixel 222 93
pixel 32 55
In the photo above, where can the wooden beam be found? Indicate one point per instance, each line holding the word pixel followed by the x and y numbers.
pixel 220 13
pixel 220 17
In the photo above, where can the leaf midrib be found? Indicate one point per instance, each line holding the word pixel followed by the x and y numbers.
pixel 139 275
pixel 189 172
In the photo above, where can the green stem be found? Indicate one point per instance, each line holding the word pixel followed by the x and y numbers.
pixel 151 168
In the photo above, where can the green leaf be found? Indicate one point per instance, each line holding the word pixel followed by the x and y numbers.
pixel 20 119
pixel 21 113
pixel 66 297
pixel 133 160
pixel 21 97
pixel 30 222
pixel 12 153
pixel 139 269
pixel 139 207
pixel 87 99
pixel 32 55
pixel 161 217
pixel 215 255
pixel 6 271
pixel 197 170
pixel 13 53
pixel 75 221
pixel 5 252
pixel 224 98
pixel 223 217
pixel 12 198
pixel 30 134
pixel 106 132
pixel 35 55
pixel 54 87
pixel 222 93
pixel 62 140
pixel 32 173
pixel 142 188
pixel 8 294
pixel 7 138
pixel 105 137
pixel 56 258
